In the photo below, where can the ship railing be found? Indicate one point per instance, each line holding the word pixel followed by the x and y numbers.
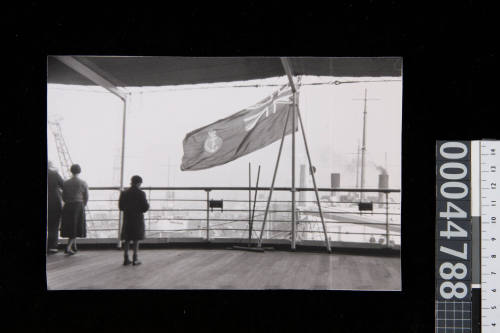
pixel 350 215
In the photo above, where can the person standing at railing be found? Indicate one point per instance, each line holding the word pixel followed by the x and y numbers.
pixel 75 196
pixel 54 206
pixel 134 204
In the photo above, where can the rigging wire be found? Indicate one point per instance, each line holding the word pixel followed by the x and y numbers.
pixel 159 90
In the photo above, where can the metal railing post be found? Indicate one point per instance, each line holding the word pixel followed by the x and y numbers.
pixel 297 221
pixel 387 217
pixel 120 223
pixel 149 211
pixel 208 214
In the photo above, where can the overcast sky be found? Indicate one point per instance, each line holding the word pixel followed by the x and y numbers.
pixel 159 118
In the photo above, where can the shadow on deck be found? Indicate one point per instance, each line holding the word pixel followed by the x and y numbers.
pixel 198 268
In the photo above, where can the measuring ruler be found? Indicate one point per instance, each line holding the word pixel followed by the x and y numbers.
pixel 467 236
pixel 489 160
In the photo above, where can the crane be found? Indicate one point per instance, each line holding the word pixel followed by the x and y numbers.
pixel 62 149
pixel 63 152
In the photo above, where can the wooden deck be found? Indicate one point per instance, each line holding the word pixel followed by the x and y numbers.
pixel 222 269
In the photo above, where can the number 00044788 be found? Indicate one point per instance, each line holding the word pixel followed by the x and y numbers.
pixel 453 220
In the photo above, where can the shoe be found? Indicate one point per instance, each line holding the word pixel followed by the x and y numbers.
pixel 126 262
pixel 69 253
pixel 136 262
pixel 74 248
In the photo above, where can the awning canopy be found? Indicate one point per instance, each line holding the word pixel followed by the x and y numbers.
pixel 165 71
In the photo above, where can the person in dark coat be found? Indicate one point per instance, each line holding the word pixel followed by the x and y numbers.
pixel 75 196
pixel 54 207
pixel 134 204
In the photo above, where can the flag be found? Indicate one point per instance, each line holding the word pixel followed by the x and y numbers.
pixel 239 134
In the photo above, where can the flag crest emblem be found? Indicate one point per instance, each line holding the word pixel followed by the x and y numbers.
pixel 213 142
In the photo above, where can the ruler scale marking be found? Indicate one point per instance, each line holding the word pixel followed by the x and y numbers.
pixel 490 299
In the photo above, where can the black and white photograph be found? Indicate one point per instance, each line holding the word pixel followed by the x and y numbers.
pixel 201 168
pixel 229 173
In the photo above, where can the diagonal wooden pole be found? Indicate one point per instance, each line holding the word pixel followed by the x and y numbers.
pixel 253 210
pixel 314 181
pixel 274 179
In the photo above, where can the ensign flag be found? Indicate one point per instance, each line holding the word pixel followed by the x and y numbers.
pixel 239 134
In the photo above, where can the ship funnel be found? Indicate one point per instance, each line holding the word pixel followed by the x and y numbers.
pixel 383 183
pixel 335 180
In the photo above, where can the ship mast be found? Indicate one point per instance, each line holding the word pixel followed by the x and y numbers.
pixel 363 147
pixel 357 166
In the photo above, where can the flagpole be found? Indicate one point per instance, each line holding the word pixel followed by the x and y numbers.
pixel 274 179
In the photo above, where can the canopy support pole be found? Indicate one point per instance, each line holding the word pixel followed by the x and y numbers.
pixel 288 71
pixel 122 164
pixel 91 74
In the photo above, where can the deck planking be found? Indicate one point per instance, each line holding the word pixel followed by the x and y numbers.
pixel 222 269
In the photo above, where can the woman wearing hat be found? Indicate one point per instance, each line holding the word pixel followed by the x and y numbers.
pixel 134 204
pixel 75 196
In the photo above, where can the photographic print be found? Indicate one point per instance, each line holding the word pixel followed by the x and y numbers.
pixel 224 173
